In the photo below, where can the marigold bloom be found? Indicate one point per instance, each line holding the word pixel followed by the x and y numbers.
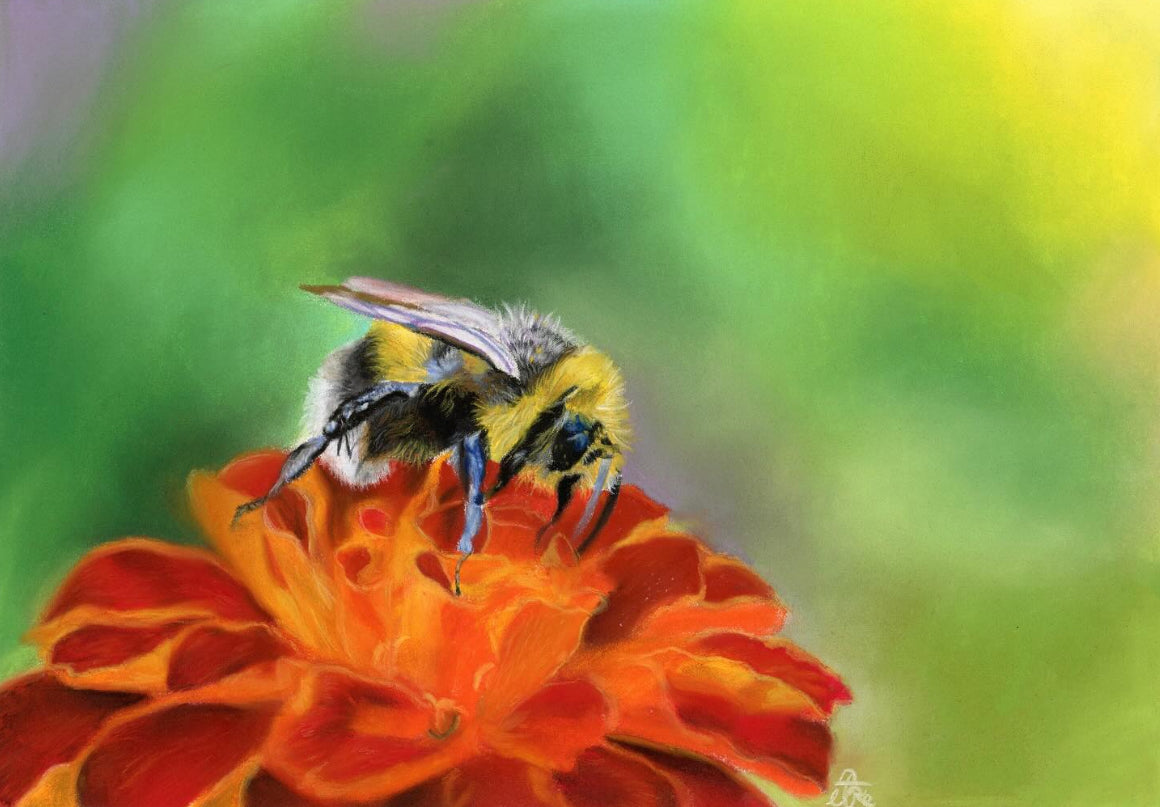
pixel 320 657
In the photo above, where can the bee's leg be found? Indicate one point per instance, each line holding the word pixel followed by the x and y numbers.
pixel 605 514
pixel 597 489
pixel 349 415
pixel 472 464
pixel 564 490
pixel 295 465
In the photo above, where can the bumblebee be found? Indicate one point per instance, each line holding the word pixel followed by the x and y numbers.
pixel 437 375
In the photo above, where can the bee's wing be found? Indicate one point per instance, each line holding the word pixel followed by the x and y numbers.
pixel 461 323
pixel 462 310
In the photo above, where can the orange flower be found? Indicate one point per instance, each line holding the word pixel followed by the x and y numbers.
pixel 320 657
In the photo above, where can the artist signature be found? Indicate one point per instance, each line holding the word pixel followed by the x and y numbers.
pixel 849 792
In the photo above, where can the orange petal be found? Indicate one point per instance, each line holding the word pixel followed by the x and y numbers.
pixel 440 492
pixel 691 616
pixel 449 667
pixel 699 782
pixel 168 758
pixel 540 637
pixel 781 659
pixel 208 653
pixel 321 512
pixel 552 727
pixel 274 563
pixel 141 574
pixel 647 574
pixel 354 739
pixel 44 723
pixel 604 776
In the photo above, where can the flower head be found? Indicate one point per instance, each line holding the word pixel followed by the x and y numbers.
pixel 320 656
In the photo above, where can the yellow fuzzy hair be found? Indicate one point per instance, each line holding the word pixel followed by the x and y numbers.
pixel 401 354
pixel 599 396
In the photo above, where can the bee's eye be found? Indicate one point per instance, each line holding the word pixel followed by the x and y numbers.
pixel 571 442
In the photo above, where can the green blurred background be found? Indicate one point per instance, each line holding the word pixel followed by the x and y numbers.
pixel 884 278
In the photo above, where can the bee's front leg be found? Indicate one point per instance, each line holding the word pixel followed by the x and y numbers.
pixel 350 414
pixel 472 465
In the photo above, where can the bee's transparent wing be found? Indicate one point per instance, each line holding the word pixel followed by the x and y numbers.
pixel 461 323
pixel 461 310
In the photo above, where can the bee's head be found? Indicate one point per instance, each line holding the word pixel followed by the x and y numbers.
pixel 571 421
pixel 578 446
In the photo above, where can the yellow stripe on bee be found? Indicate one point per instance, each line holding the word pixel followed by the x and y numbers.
pixel 599 396
pixel 400 354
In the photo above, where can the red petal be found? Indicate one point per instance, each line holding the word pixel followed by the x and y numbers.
pixel 703 784
pixel 141 574
pixel 633 508
pixel 354 560
pixel 359 739
pixel 208 653
pixel 726 578
pixel 287 512
pixel 487 781
pixel 168 758
pixel 253 475
pixel 333 736
pixel 375 520
pixel 442 521
pixel 553 726
pixel 780 659
pixel 44 723
pixel 647 575
pixel 395 490
pixel 429 565
pixel 428 794
pixel 512 517
pixel 604 777
pixel 444 526
pixel 109 645
pixel 795 744
pixel 512 525
pixel 266 791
